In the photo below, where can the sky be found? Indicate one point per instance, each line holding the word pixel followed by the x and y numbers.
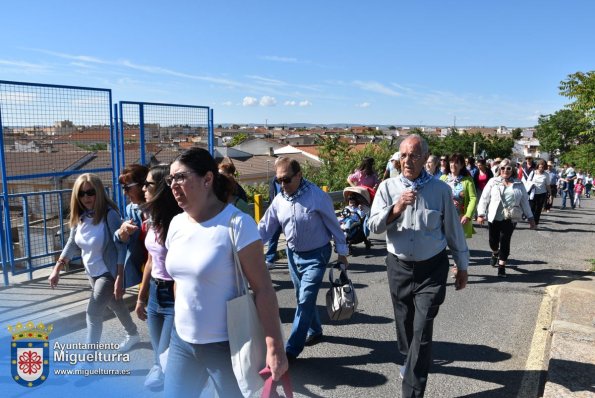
pixel 422 62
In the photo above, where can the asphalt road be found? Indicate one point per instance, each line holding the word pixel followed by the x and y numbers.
pixel 482 335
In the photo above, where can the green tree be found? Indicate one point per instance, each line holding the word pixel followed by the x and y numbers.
pixel 517 133
pixel 582 155
pixel 580 86
pixel 238 139
pixel 339 160
pixel 560 131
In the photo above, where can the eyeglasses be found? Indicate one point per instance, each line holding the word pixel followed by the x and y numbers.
pixel 506 168
pixel 413 156
pixel 146 184
pixel 90 192
pixel 284 180
pixel 127 187
pixel 177 178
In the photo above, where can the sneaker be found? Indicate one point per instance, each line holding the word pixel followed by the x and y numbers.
pixel 501 272
pixel 129 342
pixel 270 266
pixel 313 339
pixel 154 378
pixel 494 260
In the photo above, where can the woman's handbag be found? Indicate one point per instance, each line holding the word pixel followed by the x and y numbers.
pixel 246 336
pixel 341 300
pixel 512 213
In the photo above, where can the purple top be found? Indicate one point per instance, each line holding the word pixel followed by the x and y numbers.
pixel 157 253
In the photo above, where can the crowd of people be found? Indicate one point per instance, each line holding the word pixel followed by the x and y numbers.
pixel 423 201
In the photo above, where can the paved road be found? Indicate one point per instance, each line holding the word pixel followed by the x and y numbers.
pixel 482 336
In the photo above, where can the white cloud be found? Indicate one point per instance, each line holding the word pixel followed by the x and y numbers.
pixel 290 103
pixel 249 101
pixel 305 103
pixel 276 58
pixel 363 105
pixel 268 101
pixel 227 103
pixel 376 88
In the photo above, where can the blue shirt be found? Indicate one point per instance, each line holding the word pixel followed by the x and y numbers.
pixel 308 221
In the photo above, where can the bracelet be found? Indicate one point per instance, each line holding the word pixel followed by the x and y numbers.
pixel 141 302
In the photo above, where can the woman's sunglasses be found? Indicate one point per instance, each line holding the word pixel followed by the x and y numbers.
pixel 146 184
pixel 127 187
pixel 90 192
pixel 506 168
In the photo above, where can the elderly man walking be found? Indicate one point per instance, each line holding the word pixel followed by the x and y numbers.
pixel 308 219
pixel 418 215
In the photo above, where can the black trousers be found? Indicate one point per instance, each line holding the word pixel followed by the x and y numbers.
pixel 500 234
pixel 550 199
pixel 536 205
pixel 417 291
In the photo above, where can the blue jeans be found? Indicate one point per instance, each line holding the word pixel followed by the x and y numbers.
pixel 569 193
pixel 307 270
pixel 271 254
pixel 189 367
pixel 160 316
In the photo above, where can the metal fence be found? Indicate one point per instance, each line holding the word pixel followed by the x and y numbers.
pixel 152 133
pixel 50 134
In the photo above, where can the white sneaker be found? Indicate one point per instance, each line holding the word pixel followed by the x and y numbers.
pixel 129 342
pixel 270 266
pixel 154 378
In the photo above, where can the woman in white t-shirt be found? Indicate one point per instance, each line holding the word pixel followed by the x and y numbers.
pixel 540 189
pixel 200 260
pixel 94 219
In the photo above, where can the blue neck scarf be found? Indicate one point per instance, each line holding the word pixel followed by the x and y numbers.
pixel 417 184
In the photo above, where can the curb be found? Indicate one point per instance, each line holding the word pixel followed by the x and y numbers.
pixel 571 367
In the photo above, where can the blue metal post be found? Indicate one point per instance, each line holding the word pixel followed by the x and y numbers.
pixel 141 132
pixel 211 139
pixel 27 237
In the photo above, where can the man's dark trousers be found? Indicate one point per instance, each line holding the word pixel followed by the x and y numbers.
pixel 417 290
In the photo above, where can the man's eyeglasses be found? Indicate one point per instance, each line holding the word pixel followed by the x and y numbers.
pixel 177 178
pixel 146 184
pixel 506 168
pixel 284 180
pixel 90 192
pixel 413 156
pixel 128 187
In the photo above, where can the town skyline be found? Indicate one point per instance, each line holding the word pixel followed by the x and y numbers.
pixel 273 63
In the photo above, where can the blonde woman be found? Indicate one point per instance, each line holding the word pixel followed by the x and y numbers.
pixel 94 219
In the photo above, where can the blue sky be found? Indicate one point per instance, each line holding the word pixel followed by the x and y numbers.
pixel 377 62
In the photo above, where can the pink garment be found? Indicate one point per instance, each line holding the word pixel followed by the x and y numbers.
pixel 578 188
pixel 358 178
pixel 158 253
pixel 482 180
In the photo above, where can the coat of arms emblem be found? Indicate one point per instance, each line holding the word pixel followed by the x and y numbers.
pixel 30 353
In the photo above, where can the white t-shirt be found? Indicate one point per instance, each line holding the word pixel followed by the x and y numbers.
pixel 90 239
pixel 541 181
pixel 200 260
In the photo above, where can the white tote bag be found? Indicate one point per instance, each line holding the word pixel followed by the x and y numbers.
pixel 246 336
